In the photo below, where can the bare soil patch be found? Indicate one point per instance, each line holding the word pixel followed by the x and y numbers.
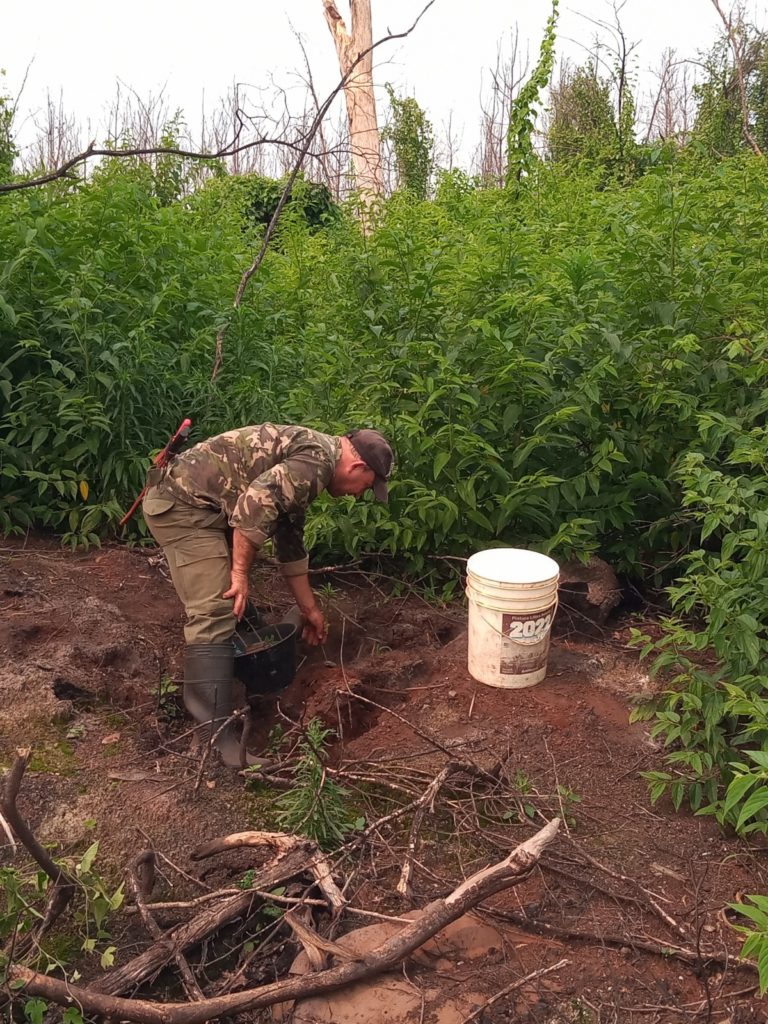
pixel 86 639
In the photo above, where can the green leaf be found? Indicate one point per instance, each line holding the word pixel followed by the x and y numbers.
pixel 510 417
pixel 737 790
pixel 756 803
pixel 441 460
pixel 88 858
pixel 108 957
pixel 34 1010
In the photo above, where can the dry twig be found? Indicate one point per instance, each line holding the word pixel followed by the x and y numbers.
pixel 426 800
pixel 513 988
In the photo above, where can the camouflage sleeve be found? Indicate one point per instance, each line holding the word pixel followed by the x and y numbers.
pixel 274 506
pixel 289 544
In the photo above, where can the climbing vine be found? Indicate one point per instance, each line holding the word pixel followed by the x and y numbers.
pixel 522 116
pixel 410 132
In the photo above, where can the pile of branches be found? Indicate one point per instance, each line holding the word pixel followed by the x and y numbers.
pixel 315 888
pixel 445 787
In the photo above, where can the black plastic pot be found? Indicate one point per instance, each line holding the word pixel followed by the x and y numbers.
pixel 269 670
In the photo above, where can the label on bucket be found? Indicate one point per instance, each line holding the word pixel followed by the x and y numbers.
pixel 525 646
pixel 527 629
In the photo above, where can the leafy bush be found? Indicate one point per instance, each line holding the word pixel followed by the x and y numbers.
pixel 716 713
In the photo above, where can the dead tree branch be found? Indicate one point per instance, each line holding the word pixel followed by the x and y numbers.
pixel 432 919
pixel 24 833
pixel 316 862
pixel 128 976
pixel 738 58
pixel 63 884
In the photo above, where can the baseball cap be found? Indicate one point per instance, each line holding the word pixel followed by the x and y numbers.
pixel 374 449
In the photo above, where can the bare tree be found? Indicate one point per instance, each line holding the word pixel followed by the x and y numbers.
pixel 447 144
pixel 672 106
pixel 506 77
pixel 357 70
pixel 57 139
pixel 738 39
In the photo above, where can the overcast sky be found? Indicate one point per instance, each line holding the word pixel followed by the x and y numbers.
pixel 194 51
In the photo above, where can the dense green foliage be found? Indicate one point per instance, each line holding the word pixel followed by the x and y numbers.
pixel 542 359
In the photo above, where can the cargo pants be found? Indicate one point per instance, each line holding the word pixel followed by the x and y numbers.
pixel 196 545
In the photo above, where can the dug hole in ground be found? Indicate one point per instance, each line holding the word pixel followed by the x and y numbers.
pixel 631 896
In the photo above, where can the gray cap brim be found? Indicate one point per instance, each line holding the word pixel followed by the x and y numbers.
pixel 381 489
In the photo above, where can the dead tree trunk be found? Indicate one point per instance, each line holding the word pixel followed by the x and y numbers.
pixel 358 92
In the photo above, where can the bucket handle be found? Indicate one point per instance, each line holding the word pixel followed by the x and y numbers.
pixel 515 640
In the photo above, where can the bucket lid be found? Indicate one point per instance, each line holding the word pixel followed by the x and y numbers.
pixel 513 565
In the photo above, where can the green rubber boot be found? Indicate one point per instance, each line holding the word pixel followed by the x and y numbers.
pixel 212 695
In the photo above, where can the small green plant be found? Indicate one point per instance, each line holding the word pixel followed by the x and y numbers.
pixel 167 693
pixel 568 799
pixel 316 806
pixel 275 740
pixel 756 941
pixel 326 592
pixel 25 896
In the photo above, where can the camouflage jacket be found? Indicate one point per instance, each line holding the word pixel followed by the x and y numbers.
pixel 263 478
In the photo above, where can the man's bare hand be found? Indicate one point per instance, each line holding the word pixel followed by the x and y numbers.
pixel 238 591
pixel 315 627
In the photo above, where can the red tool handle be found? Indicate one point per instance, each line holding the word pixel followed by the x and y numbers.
pixel 162 458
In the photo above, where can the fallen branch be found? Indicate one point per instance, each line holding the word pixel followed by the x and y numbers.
pixel 201 927
pixel 314 945
pixel 63 883
pixel 317 863
pixel 656 946
pixel 513 988
pixel 647 896
pixel 432 919
pixel 138 889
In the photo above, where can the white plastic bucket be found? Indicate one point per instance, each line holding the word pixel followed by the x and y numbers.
pixel 512 597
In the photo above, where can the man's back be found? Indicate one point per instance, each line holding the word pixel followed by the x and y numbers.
pixel 216 472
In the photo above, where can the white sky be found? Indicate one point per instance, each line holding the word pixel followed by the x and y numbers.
pixel 197 48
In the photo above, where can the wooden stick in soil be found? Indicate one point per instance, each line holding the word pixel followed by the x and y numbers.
pixel 432 919
pixel 514 987
pixel 133 875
